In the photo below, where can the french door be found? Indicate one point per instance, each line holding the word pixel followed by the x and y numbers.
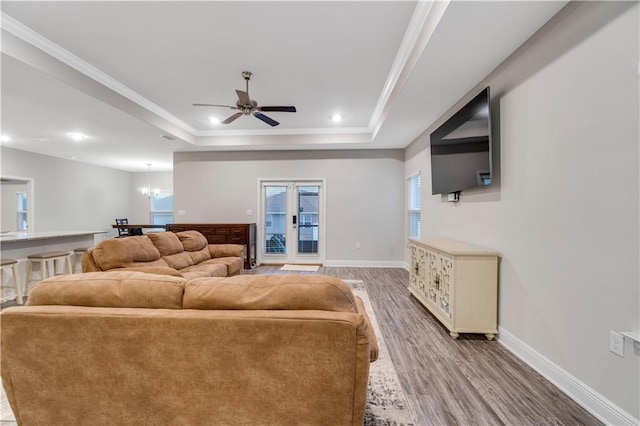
pixel 292 222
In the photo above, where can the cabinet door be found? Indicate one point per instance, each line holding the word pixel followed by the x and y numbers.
pixel 445 278
pixel 418 270
pixel 433 277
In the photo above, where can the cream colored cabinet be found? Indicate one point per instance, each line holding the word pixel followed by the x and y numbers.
pixel 458 283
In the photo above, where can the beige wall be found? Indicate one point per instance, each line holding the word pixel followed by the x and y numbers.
pixel 141 205
pixel 9 204
pixel 564 208
pixel 364 195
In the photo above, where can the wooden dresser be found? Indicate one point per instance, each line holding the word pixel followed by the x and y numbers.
pixel 225 233
pixel 458 283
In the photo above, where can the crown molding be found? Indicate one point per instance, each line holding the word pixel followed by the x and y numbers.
pixel 26 34
pixel 283 131
pixel 424 21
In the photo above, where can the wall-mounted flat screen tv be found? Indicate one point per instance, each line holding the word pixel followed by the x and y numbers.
pixel 461 148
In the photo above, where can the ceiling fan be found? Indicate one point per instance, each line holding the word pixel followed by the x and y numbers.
pixel 246 106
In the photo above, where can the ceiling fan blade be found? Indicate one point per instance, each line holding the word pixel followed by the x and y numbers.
pixel 216 105
pixel 243 97
pixel 232 118
pixel 278 108
pixel 270 121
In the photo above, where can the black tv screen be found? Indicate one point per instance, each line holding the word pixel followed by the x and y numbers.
pixel 461 148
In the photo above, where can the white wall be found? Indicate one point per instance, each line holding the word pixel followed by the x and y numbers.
pixel 564 210
pixel 70 196
pixel 364 195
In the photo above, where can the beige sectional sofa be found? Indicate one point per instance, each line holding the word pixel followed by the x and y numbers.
pixel 134 348
pixel 186 254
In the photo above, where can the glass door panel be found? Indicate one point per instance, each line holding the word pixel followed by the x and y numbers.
pixel 275 219
pixel 308 207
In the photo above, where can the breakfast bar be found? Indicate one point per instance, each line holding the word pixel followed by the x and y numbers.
pixel 18 245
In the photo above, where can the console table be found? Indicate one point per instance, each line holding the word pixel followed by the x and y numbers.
pixel 457 283
pixel 225 233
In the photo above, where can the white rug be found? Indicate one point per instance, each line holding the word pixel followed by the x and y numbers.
pixel 303 268
pixel 386 402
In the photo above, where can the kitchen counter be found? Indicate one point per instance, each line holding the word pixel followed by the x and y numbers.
pixel 10 237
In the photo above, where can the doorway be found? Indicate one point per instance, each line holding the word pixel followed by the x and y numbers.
pixel 292 221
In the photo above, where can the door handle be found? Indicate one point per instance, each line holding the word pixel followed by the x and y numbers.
pixel 295 219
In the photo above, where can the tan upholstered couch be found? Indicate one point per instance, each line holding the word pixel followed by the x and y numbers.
pixel 122 348
pixel 185 254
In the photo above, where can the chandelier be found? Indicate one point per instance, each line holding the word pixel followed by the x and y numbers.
pixel 146 191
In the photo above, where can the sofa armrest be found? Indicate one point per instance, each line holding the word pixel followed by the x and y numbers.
pixel 368 330
pixel 226 250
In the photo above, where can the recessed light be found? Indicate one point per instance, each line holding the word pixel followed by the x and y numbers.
pixel 76 136
pixel 5 138
pixel 214 120
pixel 336 118
pixel 168 137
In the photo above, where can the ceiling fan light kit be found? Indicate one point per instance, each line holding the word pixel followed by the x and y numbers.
pixel 247 106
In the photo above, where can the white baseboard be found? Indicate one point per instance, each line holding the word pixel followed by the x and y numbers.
pixel 589 399
pixel 366 263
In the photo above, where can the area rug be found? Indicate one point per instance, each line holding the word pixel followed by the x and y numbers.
pixel 302 268
pixel 386 402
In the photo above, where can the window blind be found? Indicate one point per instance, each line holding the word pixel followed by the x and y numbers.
pixel 414 205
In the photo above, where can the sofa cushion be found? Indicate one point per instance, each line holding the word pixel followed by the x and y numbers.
pixel 199 256
pixel 179 260
pixel 157 270
pixel 110 289
pixel 205 270
pixel 125 252
pixel 270 292
pixel 192 240
pixel 167 243
pixel 234 265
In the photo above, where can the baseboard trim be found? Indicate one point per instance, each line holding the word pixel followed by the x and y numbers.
pixel 605 410
pixel 365 263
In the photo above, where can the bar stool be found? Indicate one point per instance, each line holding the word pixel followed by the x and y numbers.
pixel 12 265
pixel 77 256
pixel 46 259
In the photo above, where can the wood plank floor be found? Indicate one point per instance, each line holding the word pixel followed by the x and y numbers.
pixel 469 381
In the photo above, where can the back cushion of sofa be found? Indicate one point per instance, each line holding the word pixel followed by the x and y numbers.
pixel 270 292
pixel 171 250
pixel 124 252
pixel 110 289
pixel 192 240
pixel 195 244
pixel 167 243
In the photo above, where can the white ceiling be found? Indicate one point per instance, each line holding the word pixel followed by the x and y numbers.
pixel 123 73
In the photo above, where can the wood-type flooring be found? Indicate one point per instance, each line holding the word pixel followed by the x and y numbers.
pixel 469 381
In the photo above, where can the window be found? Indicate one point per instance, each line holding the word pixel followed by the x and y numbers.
pixel 21 220
pixel 414 205
pixel 162 208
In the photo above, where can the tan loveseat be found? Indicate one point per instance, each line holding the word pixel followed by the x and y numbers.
pixel 123 348
pixel 186 254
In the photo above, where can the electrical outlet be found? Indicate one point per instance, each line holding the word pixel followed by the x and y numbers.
pixel 616 343
pixel 358 245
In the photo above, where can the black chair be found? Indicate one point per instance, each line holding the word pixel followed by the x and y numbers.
pixel 124 232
